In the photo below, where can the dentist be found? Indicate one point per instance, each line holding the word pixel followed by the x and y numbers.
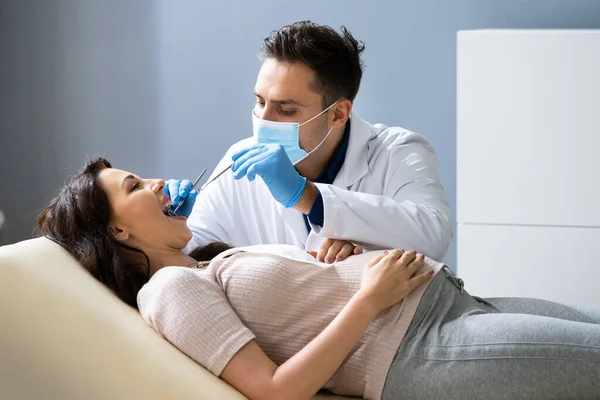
pixel 314 174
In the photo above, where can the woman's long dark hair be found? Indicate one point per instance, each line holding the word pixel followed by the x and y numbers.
pixel 78 220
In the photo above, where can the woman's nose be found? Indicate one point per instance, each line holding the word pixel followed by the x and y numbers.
pixel 158 185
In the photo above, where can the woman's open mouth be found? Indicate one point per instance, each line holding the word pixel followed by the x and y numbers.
pixel 167 210
pixel 166 207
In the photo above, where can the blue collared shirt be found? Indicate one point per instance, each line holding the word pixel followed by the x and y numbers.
pixel 327 176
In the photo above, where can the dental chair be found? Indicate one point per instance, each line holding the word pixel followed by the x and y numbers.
pixel 65 336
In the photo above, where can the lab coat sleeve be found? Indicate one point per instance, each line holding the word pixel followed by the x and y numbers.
pixel 211 219
pixel 315 216
pixel 412 213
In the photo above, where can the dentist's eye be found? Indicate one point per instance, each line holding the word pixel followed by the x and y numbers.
pixel 287 113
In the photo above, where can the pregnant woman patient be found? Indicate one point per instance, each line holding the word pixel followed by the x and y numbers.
pixel 275 323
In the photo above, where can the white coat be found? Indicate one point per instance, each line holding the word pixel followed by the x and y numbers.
pixel 387 195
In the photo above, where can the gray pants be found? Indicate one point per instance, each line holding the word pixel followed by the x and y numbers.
pixel 463 347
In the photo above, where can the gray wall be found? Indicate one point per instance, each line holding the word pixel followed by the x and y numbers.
pixel 164 87
pixel 78 78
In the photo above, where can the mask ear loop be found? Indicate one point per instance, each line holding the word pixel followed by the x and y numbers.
pixel 326 136
pixel 313 150
pixel 319 114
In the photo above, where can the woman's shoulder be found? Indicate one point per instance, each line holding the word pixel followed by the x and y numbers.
pixel 175 275
pixel 171 282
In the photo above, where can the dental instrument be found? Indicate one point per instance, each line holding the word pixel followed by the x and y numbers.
pixel 216 176
pixel 173 213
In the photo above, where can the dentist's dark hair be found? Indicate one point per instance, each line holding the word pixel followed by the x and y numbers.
pixel 78 220
pixel 334 57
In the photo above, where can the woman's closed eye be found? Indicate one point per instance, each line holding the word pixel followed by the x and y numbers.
pixel 135 186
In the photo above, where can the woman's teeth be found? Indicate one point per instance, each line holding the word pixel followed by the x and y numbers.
pixel 167 207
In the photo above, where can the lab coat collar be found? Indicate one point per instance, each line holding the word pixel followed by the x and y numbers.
pixel 355 164
pixel 354 168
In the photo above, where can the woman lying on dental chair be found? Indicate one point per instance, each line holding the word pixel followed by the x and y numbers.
pixel 275 323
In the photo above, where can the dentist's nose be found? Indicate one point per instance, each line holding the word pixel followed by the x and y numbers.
pixel 267 113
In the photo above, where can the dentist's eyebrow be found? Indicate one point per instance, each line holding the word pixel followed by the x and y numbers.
pixel 282 101
pixel 125 180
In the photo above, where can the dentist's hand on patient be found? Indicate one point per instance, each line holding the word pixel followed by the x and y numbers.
pixel 335 249
pixel 271 163
pixel 179 190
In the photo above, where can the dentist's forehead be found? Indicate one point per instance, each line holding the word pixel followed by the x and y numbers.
pixel 280 81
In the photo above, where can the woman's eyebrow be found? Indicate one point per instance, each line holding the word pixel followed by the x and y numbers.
pixel 125 180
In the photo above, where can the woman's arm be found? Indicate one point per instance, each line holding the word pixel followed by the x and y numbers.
pixel 253 373
pixel 387 280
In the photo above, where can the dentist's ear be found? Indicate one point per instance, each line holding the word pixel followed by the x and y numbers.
pixel 119 234
pixel 341 113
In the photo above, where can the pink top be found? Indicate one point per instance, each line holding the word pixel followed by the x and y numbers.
pixel 281 297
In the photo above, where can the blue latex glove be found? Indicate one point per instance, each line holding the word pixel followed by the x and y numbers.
pixel 272 164
pixel 179 190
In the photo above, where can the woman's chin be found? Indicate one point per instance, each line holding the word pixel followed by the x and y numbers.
pixel 177 229
pixel 177 218
pixel 186 236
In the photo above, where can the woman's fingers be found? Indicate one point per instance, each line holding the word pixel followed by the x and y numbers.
pixel 407 258
pixel 392 255
pixel 419 279
pixel 396 254
pixel 416 264
pixel 377 259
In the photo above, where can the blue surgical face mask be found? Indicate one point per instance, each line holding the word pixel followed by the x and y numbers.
pixel 287 134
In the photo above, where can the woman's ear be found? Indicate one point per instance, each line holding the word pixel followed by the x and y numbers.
pixel 119 234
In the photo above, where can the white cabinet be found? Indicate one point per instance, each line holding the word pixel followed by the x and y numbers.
pixel 528 164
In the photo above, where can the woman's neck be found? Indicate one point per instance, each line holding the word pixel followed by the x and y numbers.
pixel 168 258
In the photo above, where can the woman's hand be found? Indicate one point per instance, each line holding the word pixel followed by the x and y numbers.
pixel 335 249
pixel 391 277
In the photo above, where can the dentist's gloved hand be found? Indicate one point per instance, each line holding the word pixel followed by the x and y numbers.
pixel 272 164
pixel 179 190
